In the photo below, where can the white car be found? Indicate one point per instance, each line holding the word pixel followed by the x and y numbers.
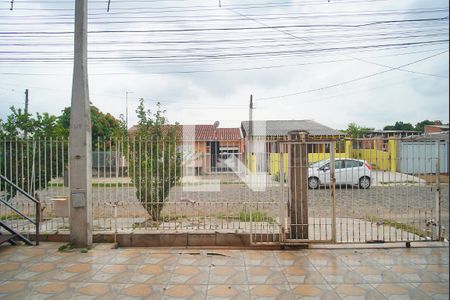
pixel 347 171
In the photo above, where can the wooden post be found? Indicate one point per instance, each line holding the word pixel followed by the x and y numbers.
pixel 298 172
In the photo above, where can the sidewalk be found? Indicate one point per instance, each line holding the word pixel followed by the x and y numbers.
pixel 43 272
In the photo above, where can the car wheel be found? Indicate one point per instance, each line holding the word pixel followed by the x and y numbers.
pixel 313 183
pixel 364 182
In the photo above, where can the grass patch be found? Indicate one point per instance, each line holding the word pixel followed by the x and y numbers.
pixel 98 185
pixel 399 182
pixel 10 217
pixel 245 216
pixel 397 225
pixel 65 248
pixel 162 219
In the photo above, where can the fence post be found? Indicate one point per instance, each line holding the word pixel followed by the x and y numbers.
pixel 333 191
pixel 299 184
pixel 438 188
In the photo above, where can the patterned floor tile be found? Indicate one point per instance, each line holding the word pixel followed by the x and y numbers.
pixel 161 259
pixel 438 257
pixel 228 258
pixel 407 273
pixel 36 271
pixel 235 292
pixel 383 258
pixel 299 274
pixel 357 291
pixel 438 290
pixel 142 291
pixel 372 273
pixel 195 259
pixel 292 258
pixel 9 270
pixel 227 275
pixel 194 292
pixel 114 274
pixel 152 274
pixel 92 256
pixel 265 275
pixel 314 291
pixel 340 274
pixel 142 273
pixel 260 258
pixel 190 275
pixel 434 273
pixel 14 290
pixel 322 259
pixel 400 291
pixel 129 257
pixel 66 272
pixel 355 258
pixel 262 292
pixel 96 290
pixel 53 290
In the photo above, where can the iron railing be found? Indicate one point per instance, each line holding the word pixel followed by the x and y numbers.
pixel 19 215
pixel 142 185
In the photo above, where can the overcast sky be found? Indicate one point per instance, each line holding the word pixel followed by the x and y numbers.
pixel 335 62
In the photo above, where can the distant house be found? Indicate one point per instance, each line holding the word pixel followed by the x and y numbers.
pixel 267 134
pixel 273 130
pixel 211 145
pixel 433 129
pixel 391 133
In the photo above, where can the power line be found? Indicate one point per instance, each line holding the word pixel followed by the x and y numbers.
pixel 230 28
pixel 227 69
pixel 355 58
pixel 349 81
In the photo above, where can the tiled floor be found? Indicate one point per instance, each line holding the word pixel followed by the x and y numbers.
pixel 143 273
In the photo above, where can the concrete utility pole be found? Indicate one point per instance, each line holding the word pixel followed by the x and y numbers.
pixel 25 134
pixel 80 145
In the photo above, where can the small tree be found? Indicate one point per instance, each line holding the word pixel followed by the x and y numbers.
pixel 32 162
pixel 400 126
pixel 104 125
pixel 355 131
pixel 421 125
pixel 154 162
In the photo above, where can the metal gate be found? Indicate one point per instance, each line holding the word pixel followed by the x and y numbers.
pixel 345 191
pixel 309 214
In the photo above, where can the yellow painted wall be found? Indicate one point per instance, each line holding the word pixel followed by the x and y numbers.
pixel 380 160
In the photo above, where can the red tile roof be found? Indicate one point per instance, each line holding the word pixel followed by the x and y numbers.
pixel 205 132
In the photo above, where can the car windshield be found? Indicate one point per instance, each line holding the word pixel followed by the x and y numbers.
pixel 318 164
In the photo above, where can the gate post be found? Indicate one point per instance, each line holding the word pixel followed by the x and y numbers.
pixel 438 188
pixel 333 191
pixel 298 173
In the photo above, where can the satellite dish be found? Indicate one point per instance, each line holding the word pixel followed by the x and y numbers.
pixel 216 124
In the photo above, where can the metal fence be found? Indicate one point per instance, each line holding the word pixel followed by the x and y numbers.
pixel 162 185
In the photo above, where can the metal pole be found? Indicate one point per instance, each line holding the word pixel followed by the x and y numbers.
pixel 80 144
pixel 333 192
pixel 298 173
pixel 250 135
pixel 438 188
pixel 25 134
pixel 126 108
